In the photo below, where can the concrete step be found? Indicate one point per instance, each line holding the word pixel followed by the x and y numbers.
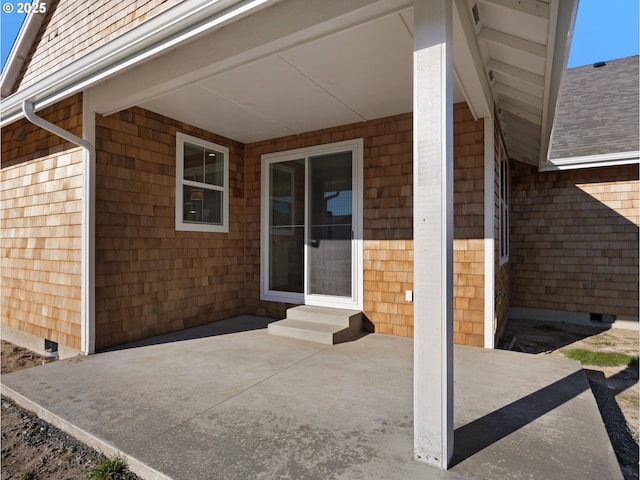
pixel 330 316
pixel 318 324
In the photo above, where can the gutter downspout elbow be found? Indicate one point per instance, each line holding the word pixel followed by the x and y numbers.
pixel 87 301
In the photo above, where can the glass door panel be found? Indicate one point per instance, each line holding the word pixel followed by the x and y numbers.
pixel 330 220
pixel 286 226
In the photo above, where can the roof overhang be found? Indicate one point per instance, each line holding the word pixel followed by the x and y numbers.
pixel 349 61
pixel 522 49
pixel 182 23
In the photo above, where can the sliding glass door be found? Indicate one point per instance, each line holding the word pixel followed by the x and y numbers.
pixel 311 222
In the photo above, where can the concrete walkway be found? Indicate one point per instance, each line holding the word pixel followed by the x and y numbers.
pixel 228 401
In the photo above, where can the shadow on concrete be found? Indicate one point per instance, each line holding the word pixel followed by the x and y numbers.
pixel 242 323
pixel 239 324
pixel 485 431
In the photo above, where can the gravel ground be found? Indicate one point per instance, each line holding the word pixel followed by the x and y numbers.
pixel 625 446
pixel 33 449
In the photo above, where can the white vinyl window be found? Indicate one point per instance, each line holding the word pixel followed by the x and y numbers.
pixel 202 185
pixel 504 205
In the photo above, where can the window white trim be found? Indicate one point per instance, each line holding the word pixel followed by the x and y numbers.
pixel 356 146
pixel 181 225
pixel 503 205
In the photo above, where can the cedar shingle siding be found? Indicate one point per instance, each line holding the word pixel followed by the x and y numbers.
pixel 41 217
pixel 150 278
pixel 574 239
pixel 388 217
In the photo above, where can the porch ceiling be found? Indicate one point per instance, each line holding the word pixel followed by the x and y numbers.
pixel 286 70
pixel 356 74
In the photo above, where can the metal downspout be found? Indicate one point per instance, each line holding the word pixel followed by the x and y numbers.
pixel 87 309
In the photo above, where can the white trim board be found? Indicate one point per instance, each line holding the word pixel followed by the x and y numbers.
pixel 590 161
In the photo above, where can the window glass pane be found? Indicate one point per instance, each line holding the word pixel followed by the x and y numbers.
pixel 192 204
pixel 202 205
pixel 212 207
pixel 193 162
pixel 286 226
pixel 213 167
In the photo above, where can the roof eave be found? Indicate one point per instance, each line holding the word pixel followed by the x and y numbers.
pixel 179 24
pixel 557 65
pixel 591 161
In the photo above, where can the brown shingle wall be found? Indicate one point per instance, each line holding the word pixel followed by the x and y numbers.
pixel 388 223
pixel 40 208
pixel 40 248
pixel 23 141
pixel 574 242
pixel 72 29
pixel 150 278
pixel 468 243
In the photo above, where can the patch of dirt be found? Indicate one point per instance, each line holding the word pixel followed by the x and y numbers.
pixel 16 358
pixel 615 389
pixel 32 449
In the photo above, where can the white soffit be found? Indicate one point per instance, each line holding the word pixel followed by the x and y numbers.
pixel 268 86
pixel 197 106
pixel 515 40
pixel 509 53
pixel 358 74
pixel 369 68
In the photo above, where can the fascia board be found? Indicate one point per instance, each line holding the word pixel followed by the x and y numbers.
pixel 468 65
pixel 590 161
pixel 564 17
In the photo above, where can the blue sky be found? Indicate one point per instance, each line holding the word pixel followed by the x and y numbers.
pixel 605 29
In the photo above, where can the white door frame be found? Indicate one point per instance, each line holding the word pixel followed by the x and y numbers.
pixel 356 147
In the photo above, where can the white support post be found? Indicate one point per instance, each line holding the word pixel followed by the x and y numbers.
pixel 489 235
pixel 433 232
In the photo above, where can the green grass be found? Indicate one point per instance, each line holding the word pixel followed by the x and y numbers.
pixel 601 359
pixel 111 469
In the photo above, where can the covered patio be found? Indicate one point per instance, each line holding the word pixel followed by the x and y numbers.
pixel 255 71
pixel 226 400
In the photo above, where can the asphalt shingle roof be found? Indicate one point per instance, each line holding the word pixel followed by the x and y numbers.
pixel 598 111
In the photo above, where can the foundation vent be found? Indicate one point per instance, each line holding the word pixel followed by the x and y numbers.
pixel 50 347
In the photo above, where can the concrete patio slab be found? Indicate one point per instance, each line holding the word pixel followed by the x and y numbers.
pixel 228 401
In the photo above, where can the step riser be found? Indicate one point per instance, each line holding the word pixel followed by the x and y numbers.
pixel 339 318
pixel 299 334
pixel 350 322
